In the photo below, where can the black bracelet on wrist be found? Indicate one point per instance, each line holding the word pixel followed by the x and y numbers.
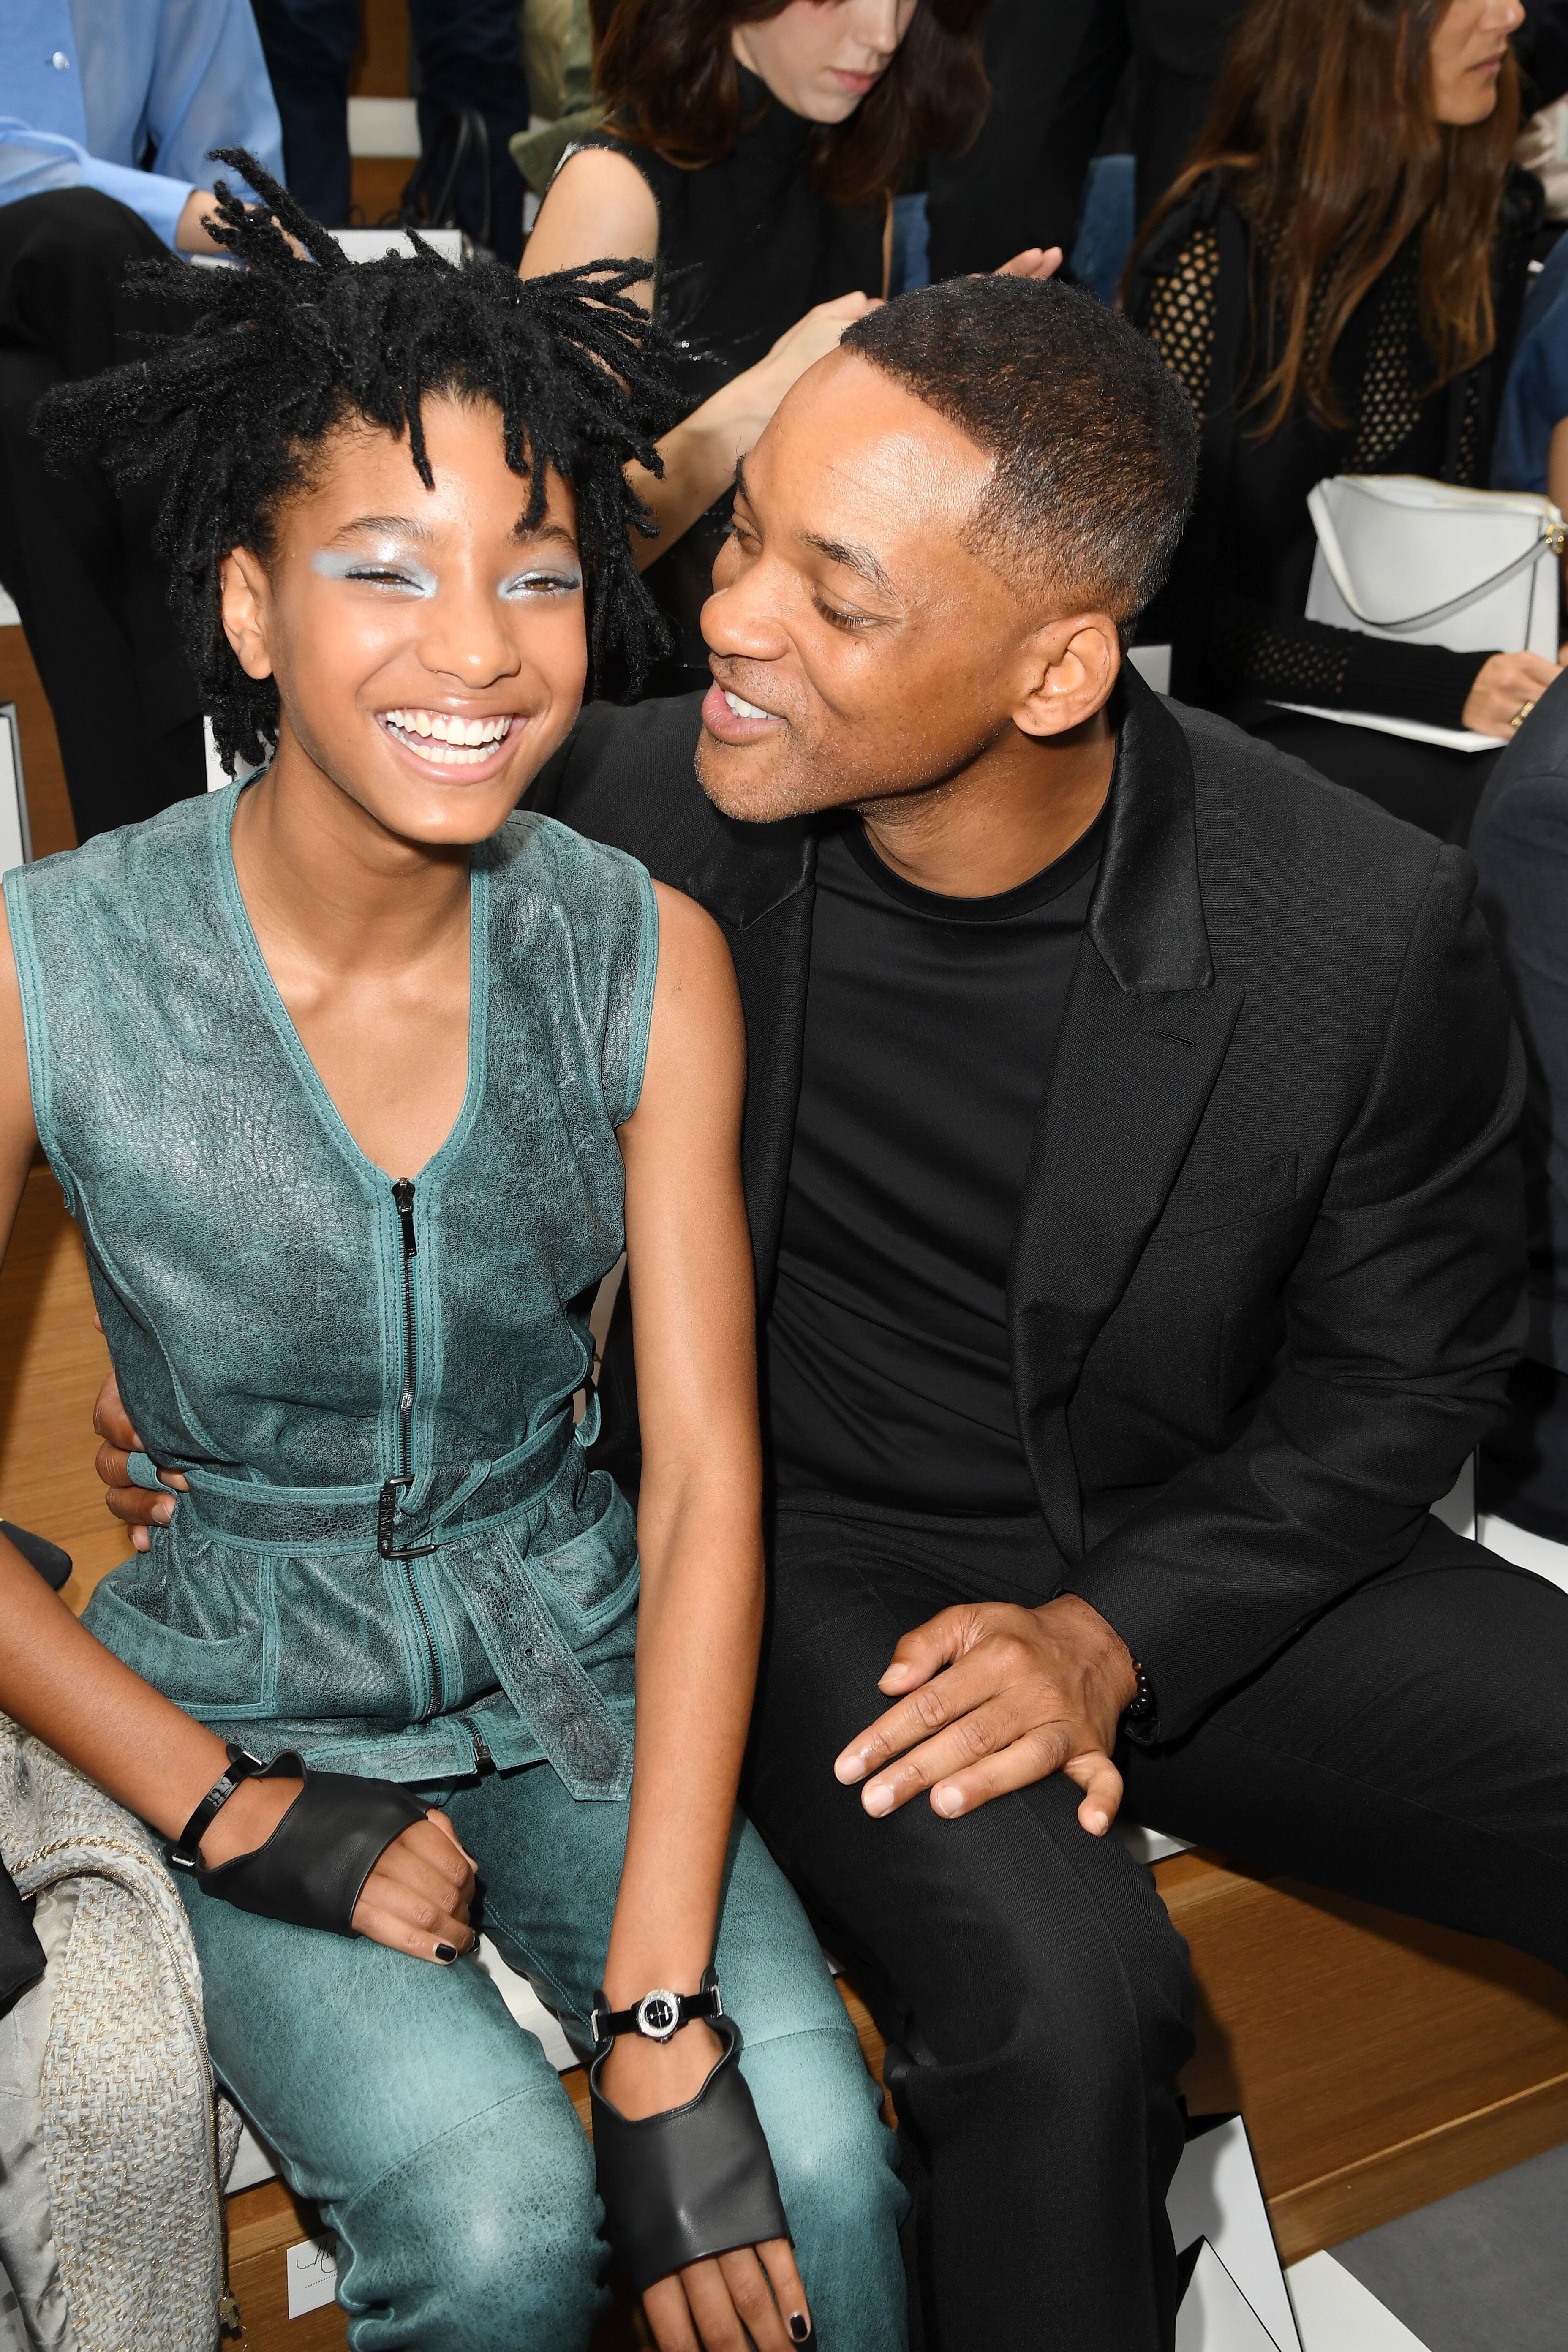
pixel 184 1854
pixel 1142 1706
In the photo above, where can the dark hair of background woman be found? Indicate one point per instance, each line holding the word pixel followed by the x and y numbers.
pixel 1322 115
pixel 668 75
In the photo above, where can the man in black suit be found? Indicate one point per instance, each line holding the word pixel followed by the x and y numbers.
pixel 1139 1242
pixel 1129 1159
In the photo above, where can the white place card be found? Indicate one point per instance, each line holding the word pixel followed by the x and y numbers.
pixel 1217 2195
pixel 1216 2316
pixel 312 2274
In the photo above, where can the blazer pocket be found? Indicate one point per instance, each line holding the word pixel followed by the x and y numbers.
pixel 1200 1208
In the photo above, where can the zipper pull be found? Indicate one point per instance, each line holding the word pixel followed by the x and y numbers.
pixel 402 1202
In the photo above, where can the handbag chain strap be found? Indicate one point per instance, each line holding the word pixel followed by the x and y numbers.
pixel 1551 540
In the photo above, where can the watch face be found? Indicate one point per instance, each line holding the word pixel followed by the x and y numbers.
pixel 658 2015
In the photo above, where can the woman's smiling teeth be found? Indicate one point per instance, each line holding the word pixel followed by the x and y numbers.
pixel 745 709
pixel 445 741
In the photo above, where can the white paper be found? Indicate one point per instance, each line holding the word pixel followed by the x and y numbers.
pixel 1217 2195
pixel 218 777
pixel 1457 1508
pixel 1415 731
pixel 1148 1845
pixel 525 2005
pixel 1523 1549
pixel 252 2164
pixel 1337 2313
pixel 1216 2317
pixel 375 244
pixel 312 2274
pixel 13 800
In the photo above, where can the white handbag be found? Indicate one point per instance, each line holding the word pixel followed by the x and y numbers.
pixel 1423 563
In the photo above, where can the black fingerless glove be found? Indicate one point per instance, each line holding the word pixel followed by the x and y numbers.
pixel 313 1869
pixel 694 2181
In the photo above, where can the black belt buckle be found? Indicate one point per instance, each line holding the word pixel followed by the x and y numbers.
pixel 386 1511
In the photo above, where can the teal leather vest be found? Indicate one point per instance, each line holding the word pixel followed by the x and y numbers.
pixel 393 1554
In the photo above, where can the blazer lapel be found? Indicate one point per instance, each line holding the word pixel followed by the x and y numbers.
pixel 1143 1037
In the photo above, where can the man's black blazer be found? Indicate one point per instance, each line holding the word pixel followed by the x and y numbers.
pixel 1266 1275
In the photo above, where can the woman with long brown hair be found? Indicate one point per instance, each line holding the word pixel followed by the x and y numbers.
pixel 1337 278
pixel 750 150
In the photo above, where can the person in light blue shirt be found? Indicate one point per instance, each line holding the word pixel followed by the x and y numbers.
pixel 108 111
pixel 127 97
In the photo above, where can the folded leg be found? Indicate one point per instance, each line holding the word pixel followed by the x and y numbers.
pixel 1410 1747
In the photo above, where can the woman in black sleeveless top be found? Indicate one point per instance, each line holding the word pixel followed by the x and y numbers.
pixel 753 161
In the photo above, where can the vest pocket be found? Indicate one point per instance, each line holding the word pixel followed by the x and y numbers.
pixel 589 1580
pixel 197 1630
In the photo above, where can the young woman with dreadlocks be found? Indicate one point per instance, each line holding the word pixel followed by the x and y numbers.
pixel 416 1065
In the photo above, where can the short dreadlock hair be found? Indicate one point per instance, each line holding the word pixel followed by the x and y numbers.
pixel 283 352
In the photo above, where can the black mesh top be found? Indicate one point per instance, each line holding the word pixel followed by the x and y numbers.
pixel 1233 610
pixel 746 247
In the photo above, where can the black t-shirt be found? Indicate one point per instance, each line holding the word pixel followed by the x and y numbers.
pixel 931 1025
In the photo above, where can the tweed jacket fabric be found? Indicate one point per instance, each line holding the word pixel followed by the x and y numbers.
pixel 109 2221
pixel 393 1555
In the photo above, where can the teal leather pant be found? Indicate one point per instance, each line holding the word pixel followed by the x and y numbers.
pixel 436 2134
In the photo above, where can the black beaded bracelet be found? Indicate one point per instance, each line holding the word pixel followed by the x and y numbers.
pixel 185 1852
pixel 1142 1707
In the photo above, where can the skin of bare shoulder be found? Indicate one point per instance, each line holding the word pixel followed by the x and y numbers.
pixel 599 204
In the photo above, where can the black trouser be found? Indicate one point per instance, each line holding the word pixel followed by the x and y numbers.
pixel 1410 1747
pixel 76 553
pixel 469 54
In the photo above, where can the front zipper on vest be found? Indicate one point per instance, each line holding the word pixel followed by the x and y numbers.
pixel 393 1489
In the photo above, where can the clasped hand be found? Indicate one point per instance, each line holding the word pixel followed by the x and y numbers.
pixel 417 1896
pixel 991 1696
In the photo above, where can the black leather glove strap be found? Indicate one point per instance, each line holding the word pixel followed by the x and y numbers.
pixel 311 1869
pixel 693 2181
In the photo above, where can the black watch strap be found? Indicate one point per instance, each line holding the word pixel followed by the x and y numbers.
pixel 658 2015
pixel 185 1852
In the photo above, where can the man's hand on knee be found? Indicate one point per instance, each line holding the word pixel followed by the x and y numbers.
pixel 993 1696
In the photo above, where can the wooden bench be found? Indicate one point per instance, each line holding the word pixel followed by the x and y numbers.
pixel 1378 2063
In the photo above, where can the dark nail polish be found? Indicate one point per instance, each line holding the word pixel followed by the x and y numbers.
pixel 799 2326
pixel 449 1952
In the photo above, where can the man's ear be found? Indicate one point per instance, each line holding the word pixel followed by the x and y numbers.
pixel 244 602
pixel 1066 674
